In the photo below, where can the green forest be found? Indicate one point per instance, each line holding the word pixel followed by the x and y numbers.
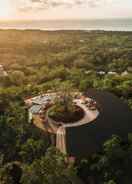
pixel 38 61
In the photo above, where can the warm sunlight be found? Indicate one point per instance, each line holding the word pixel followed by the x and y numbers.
pixel 5 9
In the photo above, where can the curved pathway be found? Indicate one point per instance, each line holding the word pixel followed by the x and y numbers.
pixel 89 116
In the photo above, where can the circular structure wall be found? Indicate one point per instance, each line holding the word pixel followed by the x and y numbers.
pixel 89 116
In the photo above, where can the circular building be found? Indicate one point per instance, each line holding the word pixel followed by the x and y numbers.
pixel 104 115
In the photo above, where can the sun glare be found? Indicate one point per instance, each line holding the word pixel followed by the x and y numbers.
pixel 5 9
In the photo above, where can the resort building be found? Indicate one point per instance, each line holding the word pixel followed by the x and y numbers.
pixel 112 73
pixel 3 73
pixel 104 115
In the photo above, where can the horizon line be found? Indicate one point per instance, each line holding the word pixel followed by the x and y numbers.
pixel 62 19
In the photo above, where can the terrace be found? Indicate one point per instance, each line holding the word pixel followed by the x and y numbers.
pixel 40 106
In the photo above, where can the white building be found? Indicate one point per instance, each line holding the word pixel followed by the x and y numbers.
pixel 37 104
pixel 112 73
pixel 124 73
pixel 101 73
pixel 2 71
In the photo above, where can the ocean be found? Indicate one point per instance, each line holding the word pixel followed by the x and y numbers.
pixel 51 25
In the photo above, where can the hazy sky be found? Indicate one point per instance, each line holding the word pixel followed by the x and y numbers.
pixel 60 9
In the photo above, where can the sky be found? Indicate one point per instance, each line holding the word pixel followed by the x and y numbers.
pixel 65 9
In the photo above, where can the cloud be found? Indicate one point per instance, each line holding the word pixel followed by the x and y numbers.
pixel 29 5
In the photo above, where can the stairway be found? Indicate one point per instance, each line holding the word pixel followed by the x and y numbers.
pixel 61 139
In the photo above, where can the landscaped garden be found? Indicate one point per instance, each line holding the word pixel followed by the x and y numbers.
pixel 66 114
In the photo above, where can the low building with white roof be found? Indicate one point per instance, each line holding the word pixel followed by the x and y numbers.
pixel 112 73
pixel 3 73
